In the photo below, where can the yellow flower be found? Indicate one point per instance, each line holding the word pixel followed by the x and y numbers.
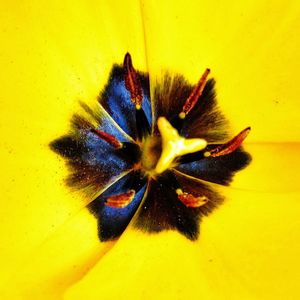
pixel 54 54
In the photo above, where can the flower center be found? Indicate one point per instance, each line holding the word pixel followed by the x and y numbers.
pixel 159 153
pixel 174 145
pixel 151 152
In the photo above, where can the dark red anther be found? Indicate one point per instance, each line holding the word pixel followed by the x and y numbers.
pixel 194 96
pixel 108 138
pixel 132 82
pixel 230 146
pixel 190 200
pixel 121 200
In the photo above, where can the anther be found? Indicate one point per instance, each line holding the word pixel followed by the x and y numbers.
pixel 230 146
pixel 108 138
pixel 120 200
pixel 190 200
pixel 132 82
pixel 195 95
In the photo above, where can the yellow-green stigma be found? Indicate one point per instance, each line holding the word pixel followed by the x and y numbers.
pixel 174 145
pixel 158 154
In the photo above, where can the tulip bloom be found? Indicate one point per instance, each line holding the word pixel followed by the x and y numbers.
pixel 141 164
pixel 56 55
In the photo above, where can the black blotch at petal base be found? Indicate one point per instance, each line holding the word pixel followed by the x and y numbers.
pixel 162 210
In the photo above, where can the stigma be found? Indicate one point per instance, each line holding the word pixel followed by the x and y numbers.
pixel 174 145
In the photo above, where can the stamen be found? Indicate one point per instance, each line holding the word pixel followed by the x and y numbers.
pixel 190 200
pixel 230 146
pixel 194 96
pixel 108 138
pixel 121 200
pixel 132 82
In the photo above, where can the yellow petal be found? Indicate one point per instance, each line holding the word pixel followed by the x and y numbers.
pixel 274 169
pixel 251 49
pixel 53 54
pixel 58 262
pixel 248 250
pixel 248 247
